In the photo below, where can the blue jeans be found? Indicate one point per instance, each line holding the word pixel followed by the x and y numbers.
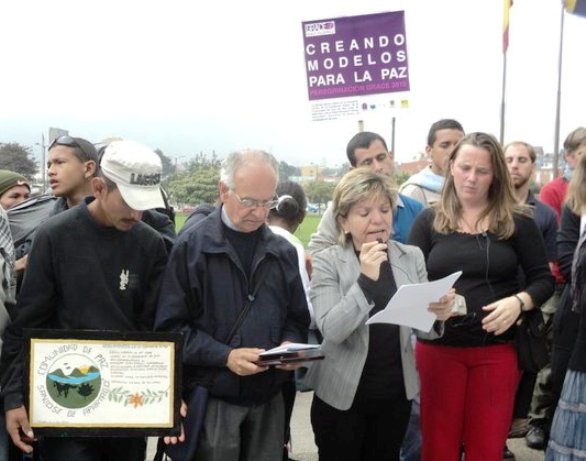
pixel 411 447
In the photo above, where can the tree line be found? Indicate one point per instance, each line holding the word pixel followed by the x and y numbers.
pixel 194 183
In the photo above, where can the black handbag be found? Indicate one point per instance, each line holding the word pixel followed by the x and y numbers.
pixel 531 341
pixel 197 403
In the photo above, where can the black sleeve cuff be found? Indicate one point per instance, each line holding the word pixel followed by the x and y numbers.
pixel 367 286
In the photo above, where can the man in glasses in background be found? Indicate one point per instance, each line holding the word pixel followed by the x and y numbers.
pixel 95 266
pixel 224 261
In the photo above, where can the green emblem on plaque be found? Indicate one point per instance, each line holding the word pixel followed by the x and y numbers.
pixel 74 381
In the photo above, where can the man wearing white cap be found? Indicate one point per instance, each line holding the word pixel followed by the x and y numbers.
pixel 95 266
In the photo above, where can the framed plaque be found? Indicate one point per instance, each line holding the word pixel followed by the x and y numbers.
pixel 103 383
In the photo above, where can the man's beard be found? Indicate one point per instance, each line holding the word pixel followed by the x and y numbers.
pixel 521 184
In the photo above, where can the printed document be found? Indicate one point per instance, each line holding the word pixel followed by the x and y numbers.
pixel 410 303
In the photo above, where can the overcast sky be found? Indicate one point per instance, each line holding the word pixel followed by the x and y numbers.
pixel 187 76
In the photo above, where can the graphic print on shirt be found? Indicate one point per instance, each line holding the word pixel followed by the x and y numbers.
pixel 124 277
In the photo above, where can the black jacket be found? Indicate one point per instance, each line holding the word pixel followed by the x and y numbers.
pixel 74 279
pixel 203 290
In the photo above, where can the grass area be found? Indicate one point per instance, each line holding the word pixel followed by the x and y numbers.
pixel 307 227
pixel 304 231
pixel 179 220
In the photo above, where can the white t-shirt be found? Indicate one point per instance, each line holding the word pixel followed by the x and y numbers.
pixel 302 268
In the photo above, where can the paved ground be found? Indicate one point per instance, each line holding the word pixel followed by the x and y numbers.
pixel 304 448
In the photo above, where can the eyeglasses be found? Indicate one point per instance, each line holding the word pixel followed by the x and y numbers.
pixel 251 203
pixel 68 141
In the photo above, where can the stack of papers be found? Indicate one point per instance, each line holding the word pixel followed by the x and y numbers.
pixel 291 353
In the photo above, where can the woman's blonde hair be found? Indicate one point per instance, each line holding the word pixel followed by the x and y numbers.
pixel 502 203
pixel 357 185
pixel 576 195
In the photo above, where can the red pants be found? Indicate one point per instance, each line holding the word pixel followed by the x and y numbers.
pixel 467 396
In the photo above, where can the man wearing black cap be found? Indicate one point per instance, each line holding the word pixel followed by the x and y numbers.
pixel 94 266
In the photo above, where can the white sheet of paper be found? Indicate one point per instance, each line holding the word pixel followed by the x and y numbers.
pixel 291 347
pixel 409 304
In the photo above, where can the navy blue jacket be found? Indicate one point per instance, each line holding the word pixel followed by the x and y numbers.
pixel 203 290
pixel 546 221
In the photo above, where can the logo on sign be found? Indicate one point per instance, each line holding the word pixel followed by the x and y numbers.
pixel 73 381
pixel 320 28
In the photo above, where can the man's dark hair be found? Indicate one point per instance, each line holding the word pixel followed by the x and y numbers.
pixel 362 140
pixel 443 124
pixel 82 148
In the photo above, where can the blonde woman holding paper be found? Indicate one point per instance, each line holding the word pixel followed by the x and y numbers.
pixel 363 388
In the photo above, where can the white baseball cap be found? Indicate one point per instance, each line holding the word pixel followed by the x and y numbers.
pixel 136 170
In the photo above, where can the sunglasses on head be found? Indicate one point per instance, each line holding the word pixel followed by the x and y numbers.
pixel 68 141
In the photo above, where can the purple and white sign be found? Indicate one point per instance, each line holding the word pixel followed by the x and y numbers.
pixel 356 55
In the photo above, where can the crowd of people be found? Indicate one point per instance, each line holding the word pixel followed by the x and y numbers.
pixel 101 253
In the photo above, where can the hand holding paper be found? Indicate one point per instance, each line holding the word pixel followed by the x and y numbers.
pixel 409 306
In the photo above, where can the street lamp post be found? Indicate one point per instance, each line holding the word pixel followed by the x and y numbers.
pixel 556 135
pixel 176 166
pixel 43 165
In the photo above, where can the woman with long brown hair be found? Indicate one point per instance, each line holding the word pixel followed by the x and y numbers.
pixel 470 375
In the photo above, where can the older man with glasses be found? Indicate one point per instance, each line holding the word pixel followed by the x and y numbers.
pixel 228 263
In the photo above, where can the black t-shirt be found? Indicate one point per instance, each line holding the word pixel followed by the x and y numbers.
pixel 490 272
pixel 382 375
